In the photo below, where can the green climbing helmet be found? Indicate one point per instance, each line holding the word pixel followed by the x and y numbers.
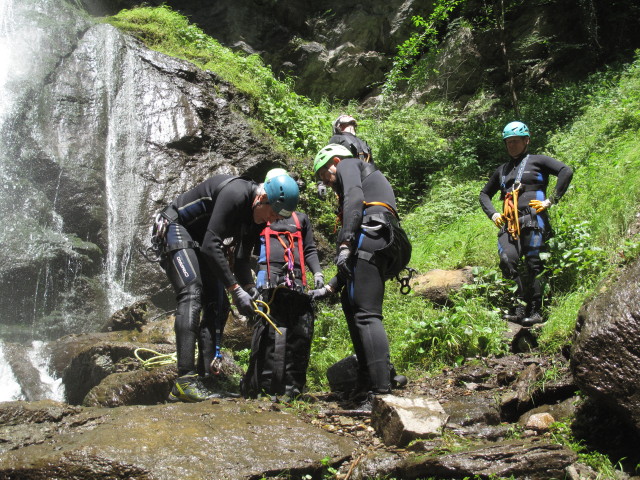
pixel 282 192
pixel 328 152
pixel 515 129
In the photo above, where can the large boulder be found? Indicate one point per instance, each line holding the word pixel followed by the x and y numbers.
pixel 605 359
pixel 221 439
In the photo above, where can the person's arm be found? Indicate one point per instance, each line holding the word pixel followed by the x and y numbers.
pixel 225 221
pixel 487 193
pixel 309 245
pixel 564 174
pixel 349 176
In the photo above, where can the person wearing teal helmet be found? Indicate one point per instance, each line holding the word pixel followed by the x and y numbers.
pixel 285 252
pixel 282 192
pixel 190 234
pixel 524 221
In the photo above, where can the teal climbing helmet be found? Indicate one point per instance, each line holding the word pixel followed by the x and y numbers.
pixel 515 129
pixel 282 192
pixel 328 152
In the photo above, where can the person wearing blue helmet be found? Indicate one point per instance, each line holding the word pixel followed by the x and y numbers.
pixel 206 236
pixel 524 221
pixel 286 252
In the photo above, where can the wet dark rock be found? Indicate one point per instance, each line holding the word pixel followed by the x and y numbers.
pixel 605 355
pixel 471 410
pixel 132 317
pixel 137 387
pixel 222 440
pixel 531 459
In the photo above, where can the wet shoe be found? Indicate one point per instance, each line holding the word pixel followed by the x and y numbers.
pixel 189 389
pixel 532 319
pixel 516 315
pixel 399 381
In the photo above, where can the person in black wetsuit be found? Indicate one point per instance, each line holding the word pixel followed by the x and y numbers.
pixel 193 231
pixel 524 223
pixel 368 213
pixel 286 251
pixel 344 133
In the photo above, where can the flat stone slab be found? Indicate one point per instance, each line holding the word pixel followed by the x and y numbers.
pixel 225 440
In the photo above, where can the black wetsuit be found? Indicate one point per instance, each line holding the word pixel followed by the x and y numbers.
pixel 534 228
pixel 290 308
pixel 200 275
pixel 362 297
pixel 358 147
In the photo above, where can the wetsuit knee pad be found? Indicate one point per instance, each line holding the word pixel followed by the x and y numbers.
pixel 189 307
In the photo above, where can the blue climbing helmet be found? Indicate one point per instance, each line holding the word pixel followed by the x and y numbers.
pixel 515 129
pixel 282 192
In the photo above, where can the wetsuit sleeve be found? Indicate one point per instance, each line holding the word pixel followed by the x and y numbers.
pixel 309 245
pixel 565 174
pixel 226 220
pixel 242 267
pixel 487 193
pixel 349 175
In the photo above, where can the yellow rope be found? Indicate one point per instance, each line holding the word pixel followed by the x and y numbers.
pixel 157 360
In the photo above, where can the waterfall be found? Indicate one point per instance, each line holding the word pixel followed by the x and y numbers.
pixel 9 387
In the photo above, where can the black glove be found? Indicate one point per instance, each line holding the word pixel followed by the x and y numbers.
pixel 253 292
pixel 318 280
pixel 342 261
pixel 243 302
pixel 319 293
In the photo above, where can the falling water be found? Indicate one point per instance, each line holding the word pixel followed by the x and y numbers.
pixel 9 388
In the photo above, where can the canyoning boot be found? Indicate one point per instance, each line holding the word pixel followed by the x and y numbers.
pixel 188 388
pixel 516 315
pixel 532 319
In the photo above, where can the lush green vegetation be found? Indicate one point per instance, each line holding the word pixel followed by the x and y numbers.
pixel 438 159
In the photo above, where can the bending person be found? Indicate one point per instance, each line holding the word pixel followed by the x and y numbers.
pixel 192 230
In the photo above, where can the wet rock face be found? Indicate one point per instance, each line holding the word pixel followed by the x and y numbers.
pixel 605 358
pixel 344 49
pixel 100 135
pixel 222 440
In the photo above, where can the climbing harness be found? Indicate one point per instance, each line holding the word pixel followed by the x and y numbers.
pixel 405 288
pixel 289 255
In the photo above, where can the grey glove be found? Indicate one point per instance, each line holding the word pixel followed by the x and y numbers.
pixel 342 261
pixel 253 292
pixel 319 293
pixel 318 280
pixel 322 190
pixel 243 302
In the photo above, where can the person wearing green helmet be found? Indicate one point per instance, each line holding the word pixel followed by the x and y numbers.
pixel 191 235
pixel 372 247
pixel 524 221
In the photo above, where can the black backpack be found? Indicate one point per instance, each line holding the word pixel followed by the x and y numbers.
pixel 278 362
